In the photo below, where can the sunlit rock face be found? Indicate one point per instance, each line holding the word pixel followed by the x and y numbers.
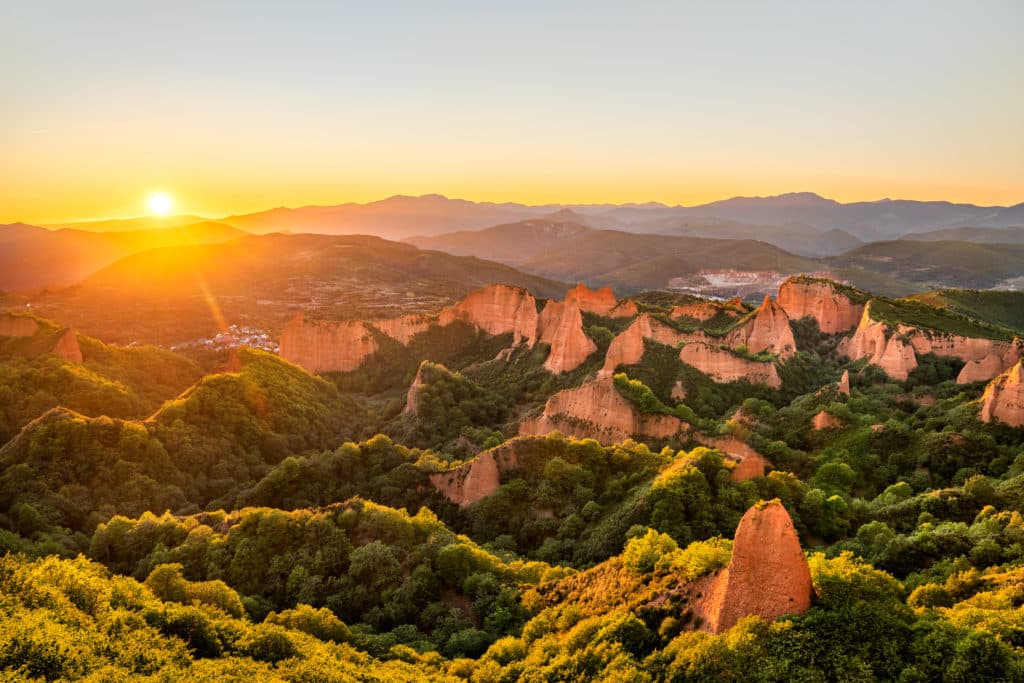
pixel 749 463
pixel 497 309
pixel 477 479
pixel 598 301
pixel 597 410
pixel 628 346
pixel 722 365
pixel 844 383
pixel 822 300
pixel 561 326
pixel 326 346
pixel 1003 400
pixel 17 326
pixel 67 346
pixel 767 330
pixel 767 576
pixel 703 311
pixel 895 350
pixel 824 420
pixel 404 328
pixel 874 340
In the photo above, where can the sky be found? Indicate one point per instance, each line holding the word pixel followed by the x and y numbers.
pixel 231 107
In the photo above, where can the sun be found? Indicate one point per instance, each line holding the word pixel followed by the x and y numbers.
pixel 160 203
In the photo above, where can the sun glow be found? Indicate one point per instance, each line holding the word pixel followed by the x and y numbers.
pixel 160 204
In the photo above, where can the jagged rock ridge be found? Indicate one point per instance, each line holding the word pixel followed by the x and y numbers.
pixel 1003 399
pixel 597 410
pixel 822 300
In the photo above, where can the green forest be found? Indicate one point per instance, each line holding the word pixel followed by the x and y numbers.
pixel 166 517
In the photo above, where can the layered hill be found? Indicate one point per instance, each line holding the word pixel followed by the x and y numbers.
pixel 784 216
pixel 32 257
pixel 932 264
pixel 172 295
pixel 632 262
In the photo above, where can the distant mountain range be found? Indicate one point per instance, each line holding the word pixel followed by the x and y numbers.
pixel 32 257
pixel 798 215
pixel 795 217
pixel 631 246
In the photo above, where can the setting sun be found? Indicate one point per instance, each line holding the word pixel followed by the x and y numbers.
pixel 160 204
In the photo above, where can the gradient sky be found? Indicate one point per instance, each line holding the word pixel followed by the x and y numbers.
pixel 239 106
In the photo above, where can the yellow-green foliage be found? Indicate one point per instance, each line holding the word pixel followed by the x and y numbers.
pixel 69 619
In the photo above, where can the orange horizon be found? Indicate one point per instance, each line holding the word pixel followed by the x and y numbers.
pixel 205 210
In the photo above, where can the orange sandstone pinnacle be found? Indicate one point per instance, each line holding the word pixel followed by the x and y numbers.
pixel 767 576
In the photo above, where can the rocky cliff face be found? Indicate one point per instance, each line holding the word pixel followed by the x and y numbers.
pixel 66 346
pixel 404 328
pixel 598 411
pixel 822 300
pixel 824 420
pixel 705 310
pixel 497 309
pixel 750 463
pixel 767 576
pixel 598 301
pixel 476 479
pixel 767 330
pixel 17 326
pixel 876 342
pixel 983 358
pixel 628 346
pixel 844 383
pixel 722 365
pixel 624 309
pixel 412 395
pixel 895 350
pixel 561 326
pixel 326 346
pixel 1003 399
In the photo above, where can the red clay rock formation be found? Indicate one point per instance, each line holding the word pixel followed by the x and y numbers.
pixel 678 390
pixel 497 309
pixel 822 300
pixel 598 301
pixel 561 326
pixel 768 330
pixel 767 576
pixel 67 346
pixel 844 383
pixel 404 328
pixel 597 410
pixel 995 362
pixel 17 326
pixel 628 346
pixel 1003 399
pixel 705 309
pixel 751 464
pixel 325 347
pixel 476 479
pixel 870 341
pixel 723 365
pixel 413 393
pixel 480 479
pixel 624 309
pixel 823 420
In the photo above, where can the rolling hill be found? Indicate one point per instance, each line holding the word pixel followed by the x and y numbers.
pixel 176 294
pixel 781 219
pixel 511 243
pixel 32 257
pixel 977 235
pixel 631 262
pixel 931 265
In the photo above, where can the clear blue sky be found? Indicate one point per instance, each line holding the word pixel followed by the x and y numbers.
pixel 235 106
